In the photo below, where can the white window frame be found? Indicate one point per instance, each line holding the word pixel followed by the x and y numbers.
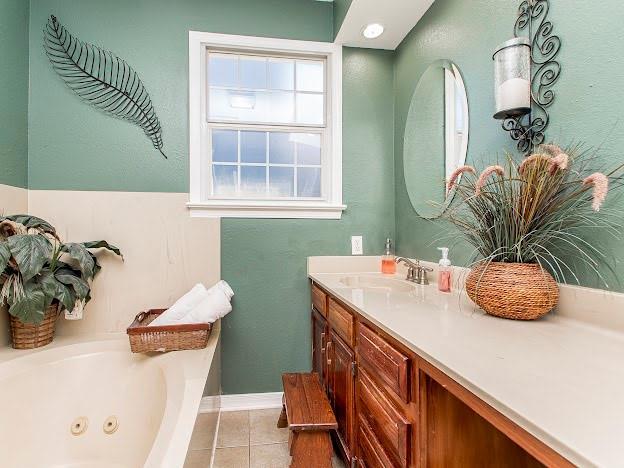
pixel 330 206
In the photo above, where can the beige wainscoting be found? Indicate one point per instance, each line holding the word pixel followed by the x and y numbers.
pixel 13 200
pixel 166 251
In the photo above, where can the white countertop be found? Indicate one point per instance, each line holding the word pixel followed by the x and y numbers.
pixel 559 378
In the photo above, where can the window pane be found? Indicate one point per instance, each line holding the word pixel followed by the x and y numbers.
pixel 251 106
pixel 310 76
pixel 224 180
pixel 308 182
pixel 282 107
pixel 308 148
pixel 281 148
pixel 310 109
pixel 219 105
pixel 224 145
pixel 253 147
pixel 281 74
pixel 222 70
pixel 281 181
pixel 253 180
pixel 253 73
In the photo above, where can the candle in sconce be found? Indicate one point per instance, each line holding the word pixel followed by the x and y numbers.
pixel 514 93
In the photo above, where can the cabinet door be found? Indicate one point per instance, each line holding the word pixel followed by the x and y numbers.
pixel 319 346
pixel 342 390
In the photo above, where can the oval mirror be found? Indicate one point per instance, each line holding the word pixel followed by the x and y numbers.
pixel 436 137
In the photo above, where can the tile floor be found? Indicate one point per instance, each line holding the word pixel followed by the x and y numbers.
pixel 246 439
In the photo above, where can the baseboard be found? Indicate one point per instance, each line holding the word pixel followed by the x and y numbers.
pixel 210 404
pixel 251 401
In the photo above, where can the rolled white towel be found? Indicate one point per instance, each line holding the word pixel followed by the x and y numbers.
pixel 226 289
pixel 181 307
pixel 214 306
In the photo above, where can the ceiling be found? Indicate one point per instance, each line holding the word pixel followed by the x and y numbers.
pixel 397 16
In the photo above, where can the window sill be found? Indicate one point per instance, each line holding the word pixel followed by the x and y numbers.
pixel 266 209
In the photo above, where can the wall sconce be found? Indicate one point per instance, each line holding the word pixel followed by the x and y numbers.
pixel 512 78
pixel 525 71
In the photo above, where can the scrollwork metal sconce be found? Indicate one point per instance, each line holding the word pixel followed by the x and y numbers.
pixel 529 129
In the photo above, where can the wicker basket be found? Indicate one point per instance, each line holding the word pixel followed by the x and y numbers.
pixel 518 291
pixel 31 335
pixel 144 339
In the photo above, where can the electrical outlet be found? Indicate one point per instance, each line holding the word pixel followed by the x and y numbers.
pixel 356 245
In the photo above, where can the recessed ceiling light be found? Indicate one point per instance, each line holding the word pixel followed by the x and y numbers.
pixel 373 30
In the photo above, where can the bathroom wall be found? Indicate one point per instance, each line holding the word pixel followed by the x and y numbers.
pixel 341 7
pixel 14 92
pixel 96 177
pixel 587 106
pixel 165 251
pixel 265 260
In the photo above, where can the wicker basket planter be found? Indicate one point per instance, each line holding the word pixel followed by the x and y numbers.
pixel 30 335
pixel 518 291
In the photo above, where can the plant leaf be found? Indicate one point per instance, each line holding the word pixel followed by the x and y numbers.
pixel 31 306
pixel 102 79
pixel 5 255
pixel 32 222
pixel 72 278
pixel 54 289
pixel 102 244
pixel 79 253
pixel 30 253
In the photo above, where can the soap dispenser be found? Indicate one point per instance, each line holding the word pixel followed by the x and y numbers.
pixel 444 271
pixel 388 265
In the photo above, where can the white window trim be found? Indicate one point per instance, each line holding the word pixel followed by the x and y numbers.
pixel 329 208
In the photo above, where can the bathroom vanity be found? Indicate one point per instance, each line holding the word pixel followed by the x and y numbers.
pixel 397 405
pixel 395 409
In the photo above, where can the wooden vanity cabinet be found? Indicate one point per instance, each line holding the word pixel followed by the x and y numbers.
pixel 340 370
pixel 395 409
pixel 319 346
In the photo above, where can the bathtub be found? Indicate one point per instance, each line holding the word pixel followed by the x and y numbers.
pixel 91 403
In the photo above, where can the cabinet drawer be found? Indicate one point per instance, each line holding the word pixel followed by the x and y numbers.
pixel 390 426
pixel 370 451
pixel 384 361
pixel 341 320
pixel 319 300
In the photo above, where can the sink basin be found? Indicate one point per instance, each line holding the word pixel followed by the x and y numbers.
pixel 376 283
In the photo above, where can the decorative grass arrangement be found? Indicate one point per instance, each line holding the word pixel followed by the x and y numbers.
pixel 538 211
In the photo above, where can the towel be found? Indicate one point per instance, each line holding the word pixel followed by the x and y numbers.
pixel 214 306
pixel 226 289
pixel 181 307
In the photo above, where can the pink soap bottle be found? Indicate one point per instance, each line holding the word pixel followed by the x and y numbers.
pixel 444 271
pixel 388 265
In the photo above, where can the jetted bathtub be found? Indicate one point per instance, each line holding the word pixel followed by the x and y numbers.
pixel 94 404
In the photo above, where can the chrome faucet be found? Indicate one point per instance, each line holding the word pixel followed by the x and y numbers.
pixel 416 273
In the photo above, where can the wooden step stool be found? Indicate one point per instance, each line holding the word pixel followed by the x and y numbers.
pixel 308 415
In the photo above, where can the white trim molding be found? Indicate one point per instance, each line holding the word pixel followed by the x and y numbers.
pixel 330 205
pixel 265 209
pixel 251 401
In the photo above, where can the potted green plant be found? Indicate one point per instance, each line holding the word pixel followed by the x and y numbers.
pixel 526 221
pixel 40 277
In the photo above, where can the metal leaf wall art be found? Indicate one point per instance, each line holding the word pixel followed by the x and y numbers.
pixel 102 79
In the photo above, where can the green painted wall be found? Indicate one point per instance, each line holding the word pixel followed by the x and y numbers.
pixel 341 7
pixel 265 260
pixel 14 92
pixel 588 103
pixel 75 147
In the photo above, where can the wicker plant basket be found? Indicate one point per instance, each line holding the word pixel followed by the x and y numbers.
pixel 30 335
pixel 518 291
pixel 144 339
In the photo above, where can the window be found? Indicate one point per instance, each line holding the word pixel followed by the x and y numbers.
pixel 265 127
